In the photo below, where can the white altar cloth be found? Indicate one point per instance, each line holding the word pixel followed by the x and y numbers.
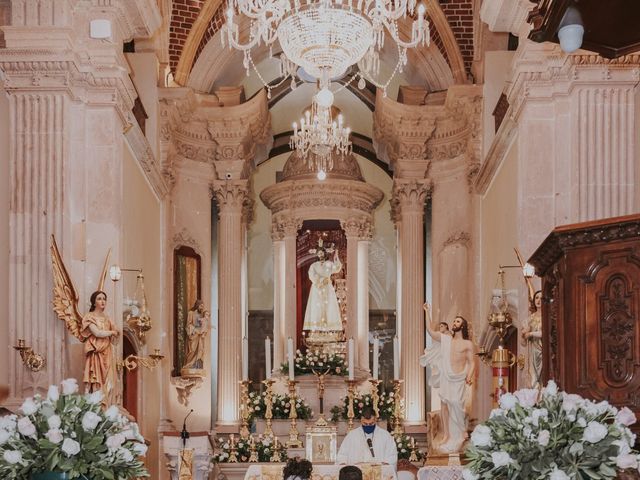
pixel 273 471
pixel 440 473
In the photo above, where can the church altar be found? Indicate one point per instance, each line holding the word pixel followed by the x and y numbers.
pixel 320 472
pixel 440 473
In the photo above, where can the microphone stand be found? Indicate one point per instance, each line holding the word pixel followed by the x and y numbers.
pixel 184 434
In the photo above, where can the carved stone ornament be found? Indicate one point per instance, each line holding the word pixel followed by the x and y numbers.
pixel 284 226
pixel 184 238
pixel 358 227
pixel 185 387
pixel 409 196
pixel 462 238
pixel 344 166
pixel 232 195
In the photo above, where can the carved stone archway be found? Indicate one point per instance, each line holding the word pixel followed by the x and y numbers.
pixel 343 196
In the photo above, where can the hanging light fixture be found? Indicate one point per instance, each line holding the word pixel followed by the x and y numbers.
pixel 318 136
pixel 325 37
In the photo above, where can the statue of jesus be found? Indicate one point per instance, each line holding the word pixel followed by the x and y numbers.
pixel 453 368
pixel 323 312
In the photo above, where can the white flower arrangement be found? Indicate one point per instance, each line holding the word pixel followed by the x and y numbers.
pixel 69 433
pixel 552 435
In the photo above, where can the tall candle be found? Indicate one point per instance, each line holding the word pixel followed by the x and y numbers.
pixel 290 358
pixel 245 358
pixel 267 356
pixel 396 359
pixel 376 351
pixel 351 358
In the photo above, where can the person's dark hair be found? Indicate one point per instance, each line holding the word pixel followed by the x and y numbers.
pixel 367 412
pixel 350 472
pixel 464 328
pixel 296 467
pixel 445 324
pixel 94 295
pixel 532 303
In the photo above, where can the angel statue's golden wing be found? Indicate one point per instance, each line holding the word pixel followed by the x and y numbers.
pixel 65 297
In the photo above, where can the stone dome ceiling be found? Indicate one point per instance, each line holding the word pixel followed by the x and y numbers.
pixel 344 167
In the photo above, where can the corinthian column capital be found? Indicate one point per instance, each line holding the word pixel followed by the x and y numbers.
pixel 232 196
pixel 358 227
pixel 285 226
pixel 409 196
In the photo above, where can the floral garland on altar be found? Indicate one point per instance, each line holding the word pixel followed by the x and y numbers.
pixel 318 362
pixel 386 404
pixel 70 433
pixel 280 406
pixel 263 446
pixel 552 435
pixel 405 445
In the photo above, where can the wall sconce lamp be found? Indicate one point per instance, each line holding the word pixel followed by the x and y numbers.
pixel 132 362
pixel 33 361
pixel 139 318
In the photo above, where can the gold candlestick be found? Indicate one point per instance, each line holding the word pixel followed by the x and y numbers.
pixel 375 398
pixel 244 408
pixel 277 447
pixel 268 402
pixel 397 407
pixel 351 391
pixel 414 451
pixel 253 450
pixel 294 436
pixel 233 457
pixel 321 422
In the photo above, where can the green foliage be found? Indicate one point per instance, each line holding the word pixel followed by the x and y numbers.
pixel 280 406
pixel 264 448
pixel 360 400
pixel 403 444
pixel 318 362
pixel 70 433
pixel 551 435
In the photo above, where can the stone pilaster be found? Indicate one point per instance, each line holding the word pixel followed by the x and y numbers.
pixel 231 197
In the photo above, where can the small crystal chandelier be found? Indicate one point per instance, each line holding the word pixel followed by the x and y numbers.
pixel 325 37
pixel 319 136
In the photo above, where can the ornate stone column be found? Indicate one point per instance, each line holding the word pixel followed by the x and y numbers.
pixel 231 197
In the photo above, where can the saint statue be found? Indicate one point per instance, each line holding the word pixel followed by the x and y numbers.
pixel 532 339
pixel 453 369
pixel 99 333
pixel 323 312
pixel 197 329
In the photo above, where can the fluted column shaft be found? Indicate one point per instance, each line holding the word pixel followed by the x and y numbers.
pixel 409 198
pixel 279 299
pixel 231 197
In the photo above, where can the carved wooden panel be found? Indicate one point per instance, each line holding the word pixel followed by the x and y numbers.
pixel 590 314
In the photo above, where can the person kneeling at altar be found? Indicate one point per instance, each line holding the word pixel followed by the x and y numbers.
pixel 350 472
pixel 297 469
pixel 368 444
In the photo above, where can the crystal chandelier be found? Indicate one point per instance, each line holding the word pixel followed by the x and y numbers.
pixel 325 37
pixel 319 136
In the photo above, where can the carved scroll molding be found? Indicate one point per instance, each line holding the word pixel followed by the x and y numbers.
pixel 183 237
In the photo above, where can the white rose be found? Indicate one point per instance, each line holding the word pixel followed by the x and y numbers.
pixel 582 422
pixel 26 428
pixel 70 447
pixel 54 422
pixel 481 436
pixel 125 454
pixel 54 435
pixel 496 412
pixel 526 431
pixel 558 475
pixel 9 423
pixel 29 407
pixel 69 386
pixel 115 441
pixel 508 401
pixel 576 449
pixel 527 396
pixel 594 432
pixel 551 389
pixel 112 413
pixel 623 447
pixel 140 449
pixel 12 456
pixel 53 394
pixel 626 460
pixel 95 397
pixel 570 401
pixel 543 438
pixel 501 459
pixel 4 436
pixel 626 417
pixel 469 475
pixel 90 421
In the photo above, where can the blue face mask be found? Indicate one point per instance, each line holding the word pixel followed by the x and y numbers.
pixel 368 428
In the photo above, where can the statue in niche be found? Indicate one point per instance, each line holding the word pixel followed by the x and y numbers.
pixel 197 329
pixel 532 339
pixel 95 329
pixel 323 312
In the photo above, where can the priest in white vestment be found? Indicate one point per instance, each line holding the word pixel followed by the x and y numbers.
pixel 323 312
pixel 452 365
pixel 368 444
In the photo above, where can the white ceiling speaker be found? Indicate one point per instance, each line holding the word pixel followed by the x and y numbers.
pixel 100 28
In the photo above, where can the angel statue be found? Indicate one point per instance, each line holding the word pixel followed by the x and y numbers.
pixel 323 312
pixel 95 329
